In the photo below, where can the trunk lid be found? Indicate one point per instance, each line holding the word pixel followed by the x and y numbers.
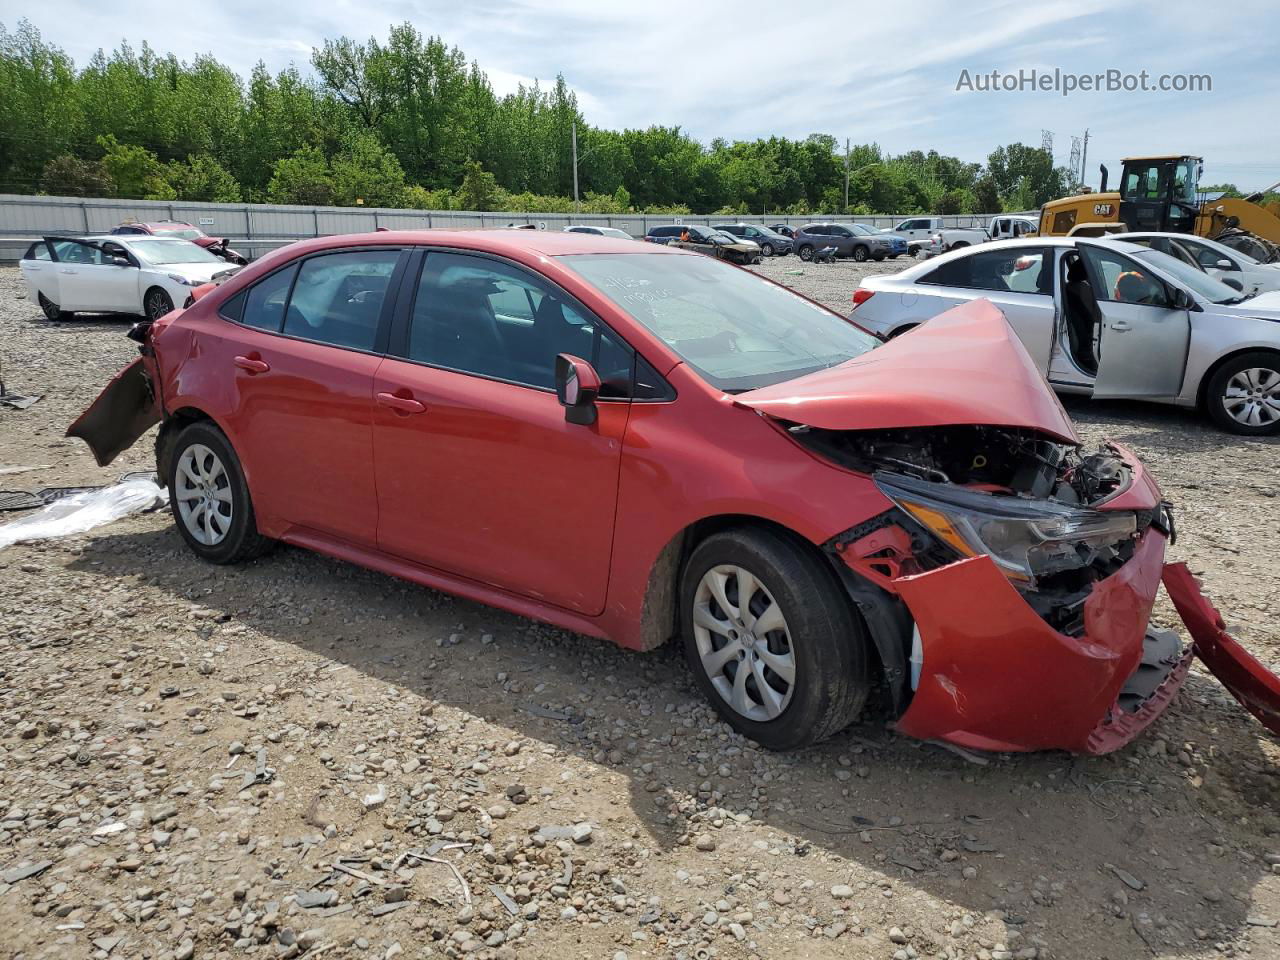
pixel 963 367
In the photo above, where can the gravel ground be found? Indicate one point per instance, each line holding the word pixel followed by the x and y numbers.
pixel 258 761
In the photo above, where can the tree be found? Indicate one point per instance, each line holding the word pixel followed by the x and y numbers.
pixel 368 172
pixel 1025 176
pixel 68 176
pixel 302 177
pixel 134 171
pixel 986 195
pixel 479 190
pixel 203 178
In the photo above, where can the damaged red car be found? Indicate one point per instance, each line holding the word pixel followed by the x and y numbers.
pixel 639 443
pixel 218 246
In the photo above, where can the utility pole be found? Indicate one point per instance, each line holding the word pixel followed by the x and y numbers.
pixel 576 206
pixel 846 174
pixel 1084 157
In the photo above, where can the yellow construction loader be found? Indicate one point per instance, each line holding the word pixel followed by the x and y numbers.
pixel 1162 193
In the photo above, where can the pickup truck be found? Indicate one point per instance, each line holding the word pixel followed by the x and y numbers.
pixel 1003 227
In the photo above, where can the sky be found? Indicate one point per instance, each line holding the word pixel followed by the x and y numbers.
pixel 884 73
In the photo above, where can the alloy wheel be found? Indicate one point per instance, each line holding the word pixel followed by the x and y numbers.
pixel 158 304
pixel 743 642
pixel 1252 397
pixel 203 492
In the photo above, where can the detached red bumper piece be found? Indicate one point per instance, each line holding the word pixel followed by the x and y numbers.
pixel 1256 687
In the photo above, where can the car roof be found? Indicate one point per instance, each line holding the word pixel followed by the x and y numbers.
pixel 547 243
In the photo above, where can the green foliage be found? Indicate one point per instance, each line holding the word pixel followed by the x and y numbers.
pixel 68 176
pixel 410 121
pixel 479 189
pixel 302 177
pixel 1228 189
pixel 203 178
pixel 134 172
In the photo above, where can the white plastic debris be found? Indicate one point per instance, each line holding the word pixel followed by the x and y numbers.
pixel 377 798
pixel 84 511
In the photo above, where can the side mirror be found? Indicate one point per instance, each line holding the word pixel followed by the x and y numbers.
pixel 121 261
pixel 577 386
pixel 1182 300
pixel 1225 264
pixel 1234 284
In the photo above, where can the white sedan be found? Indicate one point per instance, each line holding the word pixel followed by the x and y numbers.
pixel 1216 259
pixel 1106 318
pixel 110 274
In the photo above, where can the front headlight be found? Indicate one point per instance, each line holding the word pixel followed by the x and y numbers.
pixel 1026 539
pixel 186 282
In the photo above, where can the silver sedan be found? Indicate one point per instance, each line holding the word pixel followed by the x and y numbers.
pixel 1106 318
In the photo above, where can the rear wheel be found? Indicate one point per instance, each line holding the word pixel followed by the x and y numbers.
pixel 860 254
pixel 210 498
pixel 156 304
pixel 1244 395
pixel 51 310
pixel 772 640
pixel 806 252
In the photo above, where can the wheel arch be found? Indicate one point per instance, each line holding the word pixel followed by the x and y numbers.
pixel 1202 390
pixel 884 616
pixel 174 423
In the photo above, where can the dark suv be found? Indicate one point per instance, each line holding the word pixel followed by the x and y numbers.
pixel 771 242
pixel 855 240
pixel 672 232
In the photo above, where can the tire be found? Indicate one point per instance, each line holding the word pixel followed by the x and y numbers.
pixel 860 254
pixel 156 304
pixel 893 256
pixel 820 638
pixel 879 257
pixel 757 259
pixel 805 252
pixel 1244 389
pixel 203 462
pixel 958 245
pixel 51 310
pixel 766 249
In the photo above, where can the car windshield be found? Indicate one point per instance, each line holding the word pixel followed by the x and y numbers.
pixel 183 233
pixel 171 251
pixel 737 330
pixel 862 230
pixel 1206 286
pixel 726 236
pixel 614 232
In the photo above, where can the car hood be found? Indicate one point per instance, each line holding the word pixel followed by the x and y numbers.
pixel 1264 305
pixel 200 272
pixel 964 367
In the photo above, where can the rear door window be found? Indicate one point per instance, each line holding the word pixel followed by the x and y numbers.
pixel 1015 270
pixel 338 298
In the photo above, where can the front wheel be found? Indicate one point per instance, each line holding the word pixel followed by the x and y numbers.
pixel 1244 395
pixel 767 249
pixel 771 638
pixel 806 253
pixel 860 254
pixel 51 310
pixel 958 245
pixel 210 498
pixel 156 304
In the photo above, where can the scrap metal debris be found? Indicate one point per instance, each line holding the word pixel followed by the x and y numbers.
pixel 507 903
pixel 1125 877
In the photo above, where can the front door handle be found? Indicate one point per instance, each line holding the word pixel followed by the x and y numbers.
pixel 1120 325
pixel 252 364
pixel 66 270
pixel 400 404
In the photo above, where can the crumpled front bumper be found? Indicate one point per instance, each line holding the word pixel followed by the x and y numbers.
pixel 995 676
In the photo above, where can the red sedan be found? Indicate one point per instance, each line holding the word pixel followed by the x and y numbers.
pixel 638 443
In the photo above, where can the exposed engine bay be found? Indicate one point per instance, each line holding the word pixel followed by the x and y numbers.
pixel 1014 461
pixel 1028 502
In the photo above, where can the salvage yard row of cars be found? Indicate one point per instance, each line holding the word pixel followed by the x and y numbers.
pixel 666 446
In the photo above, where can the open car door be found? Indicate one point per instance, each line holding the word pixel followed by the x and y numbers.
pixel 1144 335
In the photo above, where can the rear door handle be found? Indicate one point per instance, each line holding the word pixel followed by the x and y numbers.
pixel 252 365
pixel 1120 325
pixel 400 404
